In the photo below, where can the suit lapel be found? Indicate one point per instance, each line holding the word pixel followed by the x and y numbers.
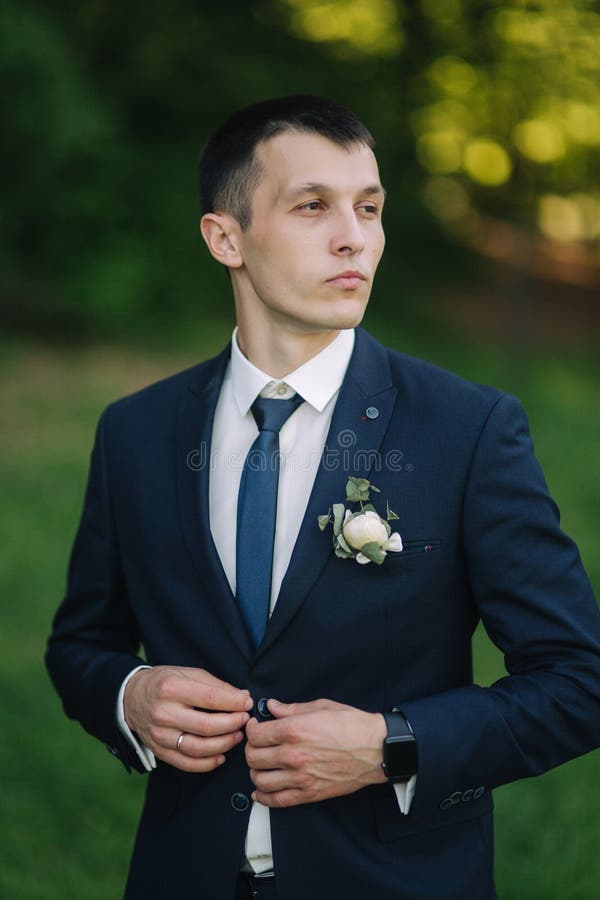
pixel 351 448
pixel 195 417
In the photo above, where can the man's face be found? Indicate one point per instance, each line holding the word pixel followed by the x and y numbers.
pixel 315 238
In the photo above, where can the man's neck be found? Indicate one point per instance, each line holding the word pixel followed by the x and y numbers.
pixel 277 352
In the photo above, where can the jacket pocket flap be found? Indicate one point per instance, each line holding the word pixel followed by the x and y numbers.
pixel 414 548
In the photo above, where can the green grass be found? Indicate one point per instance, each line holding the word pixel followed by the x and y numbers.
pixel 68 810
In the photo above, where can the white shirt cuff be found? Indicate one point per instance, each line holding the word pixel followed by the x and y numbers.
pixel 145 755
pixel 405 793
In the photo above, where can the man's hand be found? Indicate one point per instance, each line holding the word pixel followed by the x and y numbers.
pixel 163 702
pixel 313 751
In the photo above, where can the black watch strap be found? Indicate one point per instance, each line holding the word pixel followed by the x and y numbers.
pixel 399 748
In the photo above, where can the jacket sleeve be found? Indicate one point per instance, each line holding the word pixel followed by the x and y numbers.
pixel 537 606
pixel 94 640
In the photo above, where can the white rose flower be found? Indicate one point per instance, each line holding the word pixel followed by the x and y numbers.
pixel 364 529
pixel 368 528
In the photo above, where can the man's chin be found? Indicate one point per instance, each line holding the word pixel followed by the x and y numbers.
pixel 346 313
pixel 339 323
pixel 348 318
pixel 339 315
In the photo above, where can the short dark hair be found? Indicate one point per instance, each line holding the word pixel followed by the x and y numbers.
pixel 229 169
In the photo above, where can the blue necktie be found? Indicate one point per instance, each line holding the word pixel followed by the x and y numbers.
pixel 256 513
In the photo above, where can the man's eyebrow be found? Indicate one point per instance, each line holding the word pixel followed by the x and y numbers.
pixel 317 187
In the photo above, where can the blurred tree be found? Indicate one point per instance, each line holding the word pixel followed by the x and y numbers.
pixel 487 117
pixel 107 107
pixel 502 101
pixel 59 157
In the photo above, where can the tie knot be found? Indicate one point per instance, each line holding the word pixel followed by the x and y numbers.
pixel 271 414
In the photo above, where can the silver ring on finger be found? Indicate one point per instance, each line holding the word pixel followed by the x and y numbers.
pixel 179 740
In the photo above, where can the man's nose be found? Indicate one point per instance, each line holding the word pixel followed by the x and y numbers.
pixel 348 236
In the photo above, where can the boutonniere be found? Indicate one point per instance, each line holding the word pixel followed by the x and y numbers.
pixel 362 535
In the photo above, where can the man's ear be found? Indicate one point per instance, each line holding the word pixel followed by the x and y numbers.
pixel 220 231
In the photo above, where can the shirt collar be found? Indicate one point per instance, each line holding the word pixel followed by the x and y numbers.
pixel 317 380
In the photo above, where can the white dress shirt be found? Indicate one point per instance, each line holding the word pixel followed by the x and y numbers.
pixel 301 442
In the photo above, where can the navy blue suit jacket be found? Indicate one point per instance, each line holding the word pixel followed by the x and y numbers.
pixel 481 540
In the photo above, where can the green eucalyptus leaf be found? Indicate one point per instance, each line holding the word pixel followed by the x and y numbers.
pixel 352 493
pixel 343 554
pixel 353 480
pixel 342 542
pixel 368 507
pixel 357 489
pixel 387 527
pixel 373 551
pixel 338 517
pixel 391 515
pixel 324 521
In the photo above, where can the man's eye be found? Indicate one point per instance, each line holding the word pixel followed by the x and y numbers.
pixel 311 206
pixel 369 208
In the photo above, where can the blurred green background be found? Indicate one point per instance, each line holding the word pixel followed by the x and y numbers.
pixel 487 122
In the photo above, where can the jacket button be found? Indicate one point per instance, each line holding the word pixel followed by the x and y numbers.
pixel 371 412
pixel 262 709
pixel 478 792
pixel 240 802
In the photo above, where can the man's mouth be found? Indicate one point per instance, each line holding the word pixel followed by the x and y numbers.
pixel 349 280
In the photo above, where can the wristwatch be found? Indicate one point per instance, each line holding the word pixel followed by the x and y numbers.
pixel 399 748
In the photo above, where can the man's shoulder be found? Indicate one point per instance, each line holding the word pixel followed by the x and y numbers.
pixel 165 391
pixel 421 381
pixel 434 378
pixel 437 401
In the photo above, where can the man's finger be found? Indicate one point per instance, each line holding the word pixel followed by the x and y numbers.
pixel 273 780
pixel 208 724
pixel 199 748
pixel 167 737
pixel 204 693
pixel 264 757
pixel 283 710
pixel 189 763
pixel 265 734
pixel 291 797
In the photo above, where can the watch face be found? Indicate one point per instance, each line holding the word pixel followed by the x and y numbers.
pixel 400 757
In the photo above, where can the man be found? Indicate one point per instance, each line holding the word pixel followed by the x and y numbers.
pixel 310 723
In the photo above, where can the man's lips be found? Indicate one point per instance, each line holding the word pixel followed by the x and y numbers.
pixel 348 280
